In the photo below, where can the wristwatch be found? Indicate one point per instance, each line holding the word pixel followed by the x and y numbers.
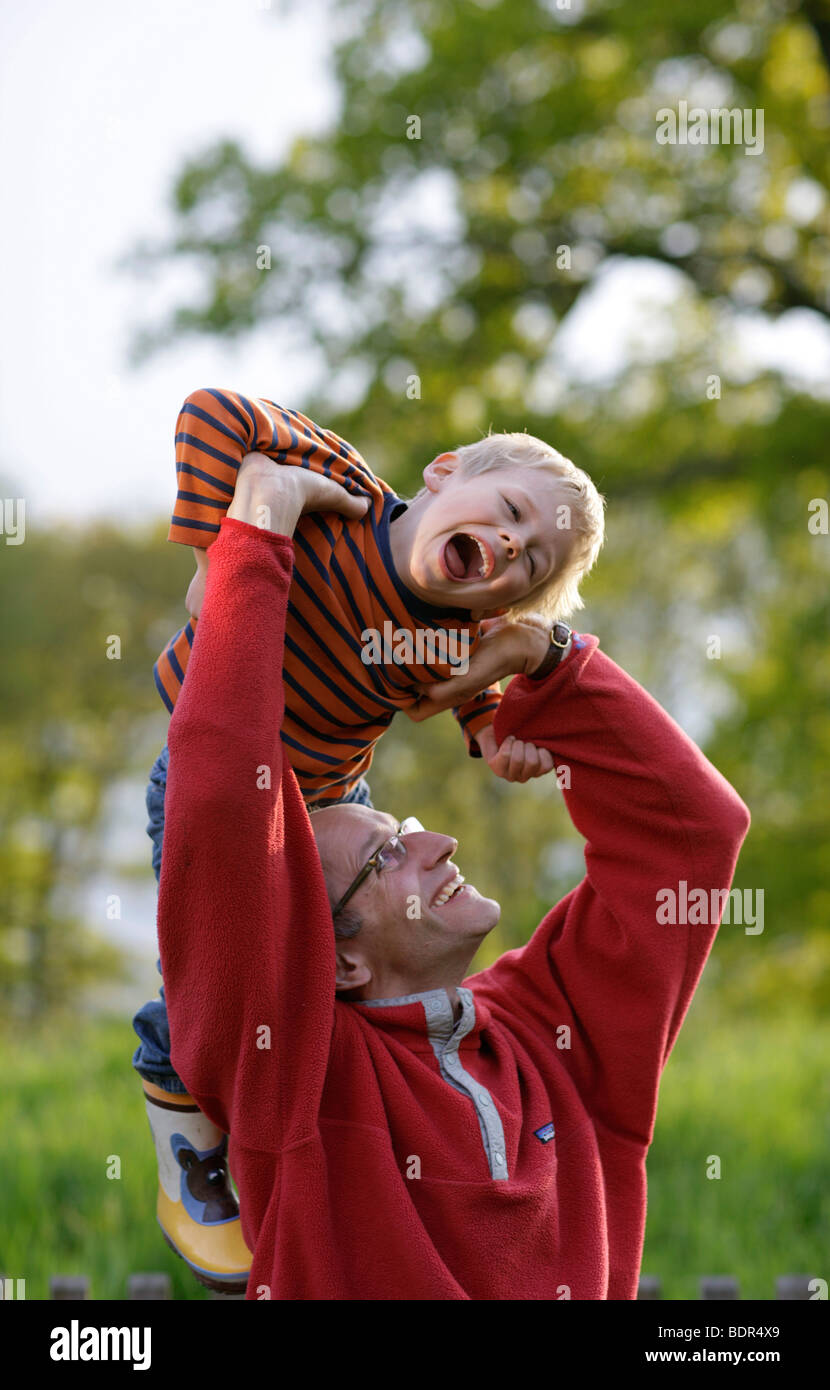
pixel 561 641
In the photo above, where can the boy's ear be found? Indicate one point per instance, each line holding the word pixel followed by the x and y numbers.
pixel 441 467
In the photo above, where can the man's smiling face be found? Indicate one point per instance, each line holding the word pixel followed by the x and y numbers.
pixel 422 924
pixel 486 541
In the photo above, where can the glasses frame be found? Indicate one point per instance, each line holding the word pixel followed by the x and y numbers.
pixel 415 828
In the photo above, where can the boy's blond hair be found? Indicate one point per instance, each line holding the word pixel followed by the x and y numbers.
pixel 580 507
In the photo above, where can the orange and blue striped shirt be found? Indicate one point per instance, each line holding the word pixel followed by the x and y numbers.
pixel 344 586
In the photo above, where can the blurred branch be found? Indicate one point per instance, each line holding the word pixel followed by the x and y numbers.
pixel 817 14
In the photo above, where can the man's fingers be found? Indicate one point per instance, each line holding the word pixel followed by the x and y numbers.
pixel 337 499
pixel 312 491
pixel 325 495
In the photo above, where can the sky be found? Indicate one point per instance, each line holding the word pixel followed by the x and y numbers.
pixel 100 104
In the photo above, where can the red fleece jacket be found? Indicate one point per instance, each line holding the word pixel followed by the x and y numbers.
pixel 381 1150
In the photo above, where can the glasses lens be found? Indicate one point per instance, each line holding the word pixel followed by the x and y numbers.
pixel 391 854
pixel 394 851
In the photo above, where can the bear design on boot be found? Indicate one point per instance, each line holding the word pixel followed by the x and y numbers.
pixel 205 1188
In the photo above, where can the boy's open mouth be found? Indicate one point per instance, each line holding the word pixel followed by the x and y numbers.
pixel 466 557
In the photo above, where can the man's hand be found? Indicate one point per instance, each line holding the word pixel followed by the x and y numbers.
pixel 515 761
pixel 274 496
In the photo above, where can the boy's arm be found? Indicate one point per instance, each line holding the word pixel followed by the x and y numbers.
pixel 504 648
pixel 606 978
pixel 214 432
pixel 476 715
pixel 514 760
pixel 473 716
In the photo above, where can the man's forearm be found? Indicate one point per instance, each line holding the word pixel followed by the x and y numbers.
pixel 646 799
pixel 604 963
pixel 244 921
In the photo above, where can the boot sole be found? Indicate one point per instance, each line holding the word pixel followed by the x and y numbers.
pixel 215 1285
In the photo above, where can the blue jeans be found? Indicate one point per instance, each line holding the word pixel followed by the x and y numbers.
pixel 151 1058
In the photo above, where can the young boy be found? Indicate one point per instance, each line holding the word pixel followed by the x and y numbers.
pixel 381 604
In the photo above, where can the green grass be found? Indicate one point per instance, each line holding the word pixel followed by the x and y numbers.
pixel 754 1094
pixel 70 1099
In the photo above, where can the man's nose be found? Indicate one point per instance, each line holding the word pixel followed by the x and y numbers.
pixel 436 848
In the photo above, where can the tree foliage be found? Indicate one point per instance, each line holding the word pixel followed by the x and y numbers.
pixel 82 617
pixel 438 260
pixel 490 167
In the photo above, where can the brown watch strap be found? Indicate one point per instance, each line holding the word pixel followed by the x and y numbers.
pixel 560 636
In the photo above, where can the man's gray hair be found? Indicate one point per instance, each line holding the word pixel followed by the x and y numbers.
pixel 347 924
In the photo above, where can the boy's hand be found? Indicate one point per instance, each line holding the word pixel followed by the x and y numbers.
pixel 515 761
pixel 505 649
pixel 274 496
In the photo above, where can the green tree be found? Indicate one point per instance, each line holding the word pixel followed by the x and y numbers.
pixel 82 616
pixel 530 131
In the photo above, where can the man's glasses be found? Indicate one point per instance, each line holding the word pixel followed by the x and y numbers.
pixel 392 851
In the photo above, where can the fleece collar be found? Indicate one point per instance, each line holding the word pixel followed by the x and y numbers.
pixel 425 1021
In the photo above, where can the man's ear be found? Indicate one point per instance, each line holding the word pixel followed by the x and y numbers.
pixel 351 970
pixel 439 470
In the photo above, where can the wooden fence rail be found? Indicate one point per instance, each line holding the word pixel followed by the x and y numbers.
pixel 717 1287
pixel 722 1287
pixel 76 1286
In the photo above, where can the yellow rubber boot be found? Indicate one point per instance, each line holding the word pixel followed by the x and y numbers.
pixel 197 1210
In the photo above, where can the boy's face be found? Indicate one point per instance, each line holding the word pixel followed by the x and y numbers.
pixel 488 540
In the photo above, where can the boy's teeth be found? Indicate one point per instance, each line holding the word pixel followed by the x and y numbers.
pixel 482 574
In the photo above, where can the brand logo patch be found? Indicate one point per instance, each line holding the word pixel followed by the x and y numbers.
pixel 546 1133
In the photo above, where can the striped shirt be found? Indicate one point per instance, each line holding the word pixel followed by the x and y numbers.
pixel 347 602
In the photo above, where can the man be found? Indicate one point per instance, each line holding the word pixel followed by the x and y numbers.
pixel 399 1130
